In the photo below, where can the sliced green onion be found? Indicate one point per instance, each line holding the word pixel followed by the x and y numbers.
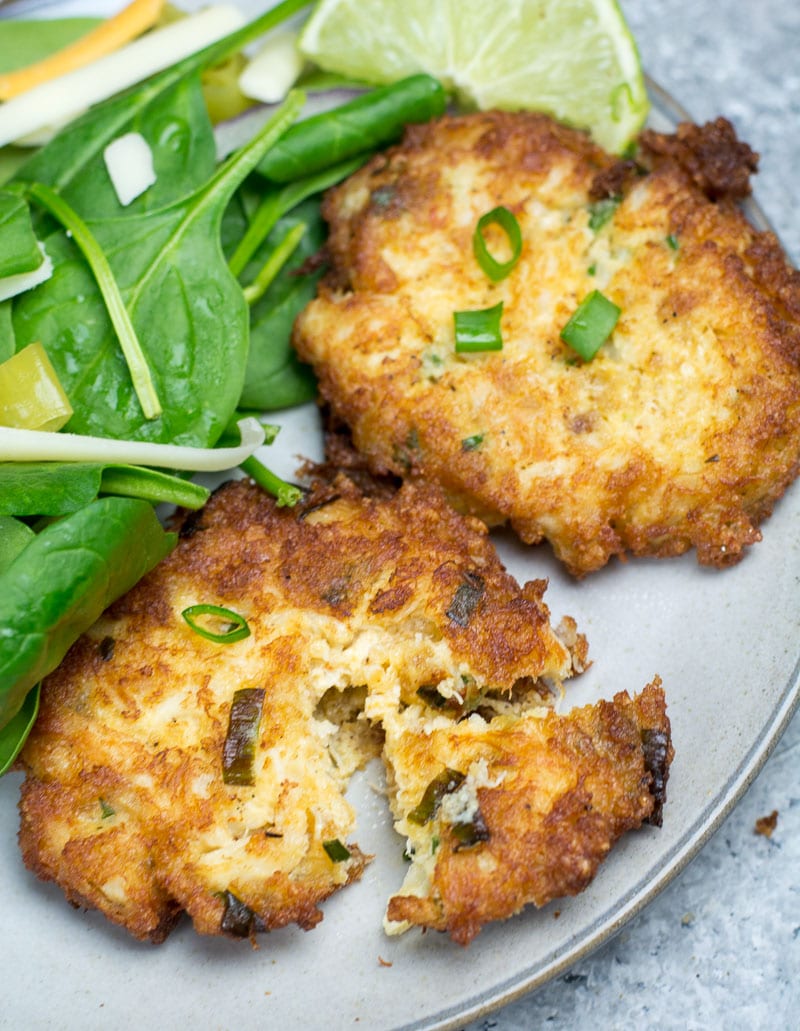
pixel 98 262
pixel 233 626
pixel 472 443
pixel 238 919
pixel 591 325
pixel 106 811
pixel 429 694
pixel 31 395
pixel 274 263
pixel 494 269
pixel 286 494
pixel 14 733
pixel 337 853
pixel 470 834
pixel 239 749
pixel 479 330
pixel 466 599
pixel 442 784
pixel 672 242
pixel 601 212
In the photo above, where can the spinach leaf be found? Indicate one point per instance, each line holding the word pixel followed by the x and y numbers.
pixel 24 41
pixel 79 147
pixel 58 488
pixel 186 307
pixel 20 252
pixel 7 339
pixel 14 733
pixel 11 160
pixel 275 377
pixel 14 536
pixel 365 123
pixel 177 129
pixel 61 583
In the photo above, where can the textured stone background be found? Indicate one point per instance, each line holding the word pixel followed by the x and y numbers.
pixel 721 946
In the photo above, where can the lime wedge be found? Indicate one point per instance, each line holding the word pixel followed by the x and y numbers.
pixel 573 59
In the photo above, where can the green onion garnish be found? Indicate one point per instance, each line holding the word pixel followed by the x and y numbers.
pixel 591 325
pixel 337 853
pixel 239 748
pixel 479 330
pixel 286 494
pixel 470 834
pixel 442 784
pixel 106 811
pixel 672 242
pixel 472 443
pixel 135 358
pixel 238 919
pixel 601 212
pixel 497 270
pixel 233 627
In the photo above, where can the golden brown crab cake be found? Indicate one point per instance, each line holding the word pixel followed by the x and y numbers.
pixel 503 812
pixel 681 432
pixel 169 771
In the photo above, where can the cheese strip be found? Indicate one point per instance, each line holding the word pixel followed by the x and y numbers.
pixel 61 99
pixel 129 23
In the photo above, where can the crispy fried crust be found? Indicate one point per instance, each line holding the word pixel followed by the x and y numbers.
pixel 682 432
pixel 549 798
pixel 124 803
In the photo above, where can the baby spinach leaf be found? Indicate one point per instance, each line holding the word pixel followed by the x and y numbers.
pixel 78 147
pixel 19 252
pixel 11 160
pixel 62 581
pixel 365 123
pixel 24 41
pixel 275 377
pixel 14 733
pixel 7 339
pixel 187 309
pixel 14 536
pixel 58 488
pixel 176 127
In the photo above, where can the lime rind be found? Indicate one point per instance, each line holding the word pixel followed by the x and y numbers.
pixel 573 59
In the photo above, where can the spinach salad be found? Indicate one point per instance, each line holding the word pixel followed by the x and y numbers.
pixel 165 321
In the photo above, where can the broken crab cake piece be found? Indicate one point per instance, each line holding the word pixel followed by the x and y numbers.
pixel 518 809
pixel 168 771
pixel 681 432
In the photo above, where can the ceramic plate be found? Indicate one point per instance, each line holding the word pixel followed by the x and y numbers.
pixel 725 644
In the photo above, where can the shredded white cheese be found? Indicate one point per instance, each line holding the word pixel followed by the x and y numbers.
pixel 64 97
pixel 10 286
pixel 274 69
pixel 129 162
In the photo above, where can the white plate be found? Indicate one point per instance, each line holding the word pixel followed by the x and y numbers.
pixel 725 644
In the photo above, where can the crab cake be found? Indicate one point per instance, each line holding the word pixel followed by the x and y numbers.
pixel 680 433
pixel 189 765
pixel 502 811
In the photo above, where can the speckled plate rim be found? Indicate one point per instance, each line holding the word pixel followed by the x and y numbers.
pixel 708 821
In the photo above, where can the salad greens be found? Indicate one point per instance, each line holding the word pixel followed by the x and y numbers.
pixel 23 42
pixel 61 582
pixel 364 123
pixel 59 488
pixel 165 261
pixel 193 286
pixel 20 252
